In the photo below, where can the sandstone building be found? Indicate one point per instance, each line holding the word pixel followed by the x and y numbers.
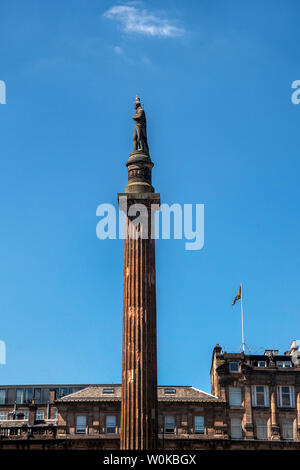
pixel 254 404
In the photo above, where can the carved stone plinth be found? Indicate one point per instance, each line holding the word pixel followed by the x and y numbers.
pixel 249 431
pixel 139 173
pixel 275 433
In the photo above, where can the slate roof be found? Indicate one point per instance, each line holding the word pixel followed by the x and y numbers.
pixel 96 393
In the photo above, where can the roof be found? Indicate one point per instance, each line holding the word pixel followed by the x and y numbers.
pixel 98 393
pixel 37 385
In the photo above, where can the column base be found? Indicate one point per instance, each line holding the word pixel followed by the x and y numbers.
pixel 275 433
pixel 249 431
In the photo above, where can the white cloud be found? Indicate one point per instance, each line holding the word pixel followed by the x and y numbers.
pixel 135 19
pixel 146 60
pixel 118 50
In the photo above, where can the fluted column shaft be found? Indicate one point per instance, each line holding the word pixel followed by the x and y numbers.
pixel 139 357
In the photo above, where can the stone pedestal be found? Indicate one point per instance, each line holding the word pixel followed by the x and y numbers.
pixel 139 173
pixel 139 357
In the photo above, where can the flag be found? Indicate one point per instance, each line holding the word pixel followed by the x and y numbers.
pixel 238 295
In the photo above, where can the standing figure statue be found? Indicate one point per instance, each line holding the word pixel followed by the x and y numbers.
pixel 140 131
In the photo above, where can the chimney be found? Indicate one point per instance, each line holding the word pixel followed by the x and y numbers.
pixel 271 352
pixel 52 395
pixel 217 349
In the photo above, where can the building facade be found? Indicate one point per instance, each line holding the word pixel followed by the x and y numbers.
pixel 262 393
pixel 254 404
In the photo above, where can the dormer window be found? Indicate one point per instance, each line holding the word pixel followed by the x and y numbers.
pixel 170 391
pixel 233 367
pixel 108 390
pixel 283 364
pixel 259 363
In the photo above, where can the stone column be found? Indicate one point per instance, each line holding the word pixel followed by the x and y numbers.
pixel 275 430
pixel 298 416
pixel 139 358
pixel 248 413
pixel 31 417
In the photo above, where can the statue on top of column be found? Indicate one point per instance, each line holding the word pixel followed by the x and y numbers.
pixel 140 132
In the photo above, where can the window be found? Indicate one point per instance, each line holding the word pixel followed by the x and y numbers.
pixel 80 424
pixel 287 430
pixel 260 395
pixel 28 395
pixel 235 396
pixel 22 415
pixel 3 415
pixel 111 424
pixel 2 396
pixel 108 390
pixel 37 395
pixel 233 366
pixel 236 428
pixel 39 415
pixel 72 390
pixel 169 424
pixel 262 429
pixel 170 391
pixel 283 364
pixel 259 363
pixel 199 424
pixel 286 397
pixel 55 414
pixel 63 392
pixel 20 396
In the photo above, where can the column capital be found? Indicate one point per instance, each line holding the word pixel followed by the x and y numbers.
pixel 139 168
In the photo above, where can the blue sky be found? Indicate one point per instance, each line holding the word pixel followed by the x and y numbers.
pixel 215 77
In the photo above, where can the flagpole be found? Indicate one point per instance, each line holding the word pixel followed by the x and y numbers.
pixel 242 314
